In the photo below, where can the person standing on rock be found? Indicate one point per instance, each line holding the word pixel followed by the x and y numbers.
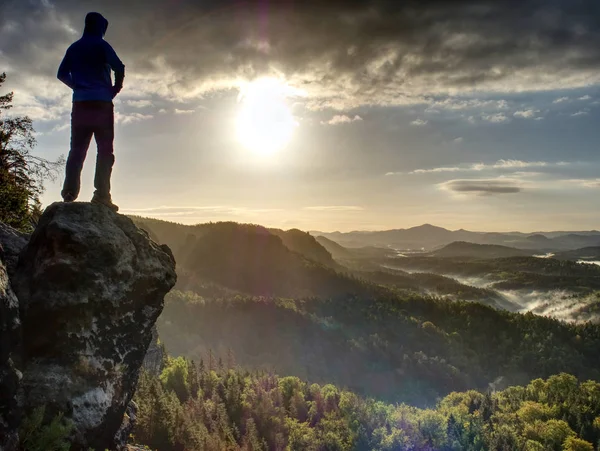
pixel 86 69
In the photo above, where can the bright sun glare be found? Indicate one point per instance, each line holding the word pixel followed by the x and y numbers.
pixel 265 123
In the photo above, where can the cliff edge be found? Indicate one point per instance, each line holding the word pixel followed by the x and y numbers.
pixel 90 286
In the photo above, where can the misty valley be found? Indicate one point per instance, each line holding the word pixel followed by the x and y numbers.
pixel 535 278
pixel 384 323
pixel 567 292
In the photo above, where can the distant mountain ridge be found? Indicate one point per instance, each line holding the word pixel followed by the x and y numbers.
pixel 429 237
pixel 465 249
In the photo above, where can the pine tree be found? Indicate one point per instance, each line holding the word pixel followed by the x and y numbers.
pixel 210 361
pixel 454 432
pixel 175 377
pixel 193 379
pixel 13 202
pixel 22 174
pixel 230 359
pixel 251 440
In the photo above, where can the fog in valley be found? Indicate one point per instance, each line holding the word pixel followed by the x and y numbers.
pixel 562 304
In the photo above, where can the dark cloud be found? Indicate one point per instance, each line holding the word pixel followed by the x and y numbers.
pixel 483 187
pixel 343 53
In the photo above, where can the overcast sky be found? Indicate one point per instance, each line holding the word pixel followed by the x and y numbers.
pixel 476 114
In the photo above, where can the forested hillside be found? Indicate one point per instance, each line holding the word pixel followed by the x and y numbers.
pixel 510 272
pixel 305 244
pixel 252 259
pixel 212 406
pixel 180 237
pixel 269 262
pixel 464 249
pixel 477 266
pixel 375 327
pixel 412 349
pixel 337 251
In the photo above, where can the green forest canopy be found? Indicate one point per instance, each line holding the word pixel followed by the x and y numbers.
pixel 210 407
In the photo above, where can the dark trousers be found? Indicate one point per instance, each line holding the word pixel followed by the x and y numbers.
pixel 91 118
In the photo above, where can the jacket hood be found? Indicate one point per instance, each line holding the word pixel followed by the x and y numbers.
pixel 95 25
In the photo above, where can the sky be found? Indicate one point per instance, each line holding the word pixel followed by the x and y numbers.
pixel 475 114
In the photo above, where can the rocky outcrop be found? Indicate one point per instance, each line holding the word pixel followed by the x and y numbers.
pixel 127 426
pixel 10 333
pixel 12 243
pixel 90 286
pixel 153 362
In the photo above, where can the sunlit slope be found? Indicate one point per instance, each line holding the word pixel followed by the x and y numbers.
pixel 271 262
pixel 253 260
pixel 560 413
pixel 397 348
pixel 375 331
pixel 179 236
pixel 305 244
pixel 336 250
pixel 259 261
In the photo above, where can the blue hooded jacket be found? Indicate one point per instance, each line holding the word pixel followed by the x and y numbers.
pixel 87 64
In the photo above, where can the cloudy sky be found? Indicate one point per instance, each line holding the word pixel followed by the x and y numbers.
pixel 477 114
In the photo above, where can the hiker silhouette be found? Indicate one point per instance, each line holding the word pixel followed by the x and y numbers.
pixel 86 69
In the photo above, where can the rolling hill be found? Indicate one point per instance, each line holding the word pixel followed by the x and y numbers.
pixel 253 260
pixel 464 249
pixel 429 237
pixel 336 250
pixel 586 253
pixel 397 348
pixel 258 261
pixel 305 244
pixel 272 299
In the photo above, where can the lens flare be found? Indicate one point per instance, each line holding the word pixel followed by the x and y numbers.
pixel 265 124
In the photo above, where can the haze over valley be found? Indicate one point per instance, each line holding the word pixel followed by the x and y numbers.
pixel 288 302
pixel 504 264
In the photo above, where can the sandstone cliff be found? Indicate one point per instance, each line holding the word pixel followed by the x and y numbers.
pixel 10 353
pixel 90 286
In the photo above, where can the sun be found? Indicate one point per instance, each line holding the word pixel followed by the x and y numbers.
pixel 265 124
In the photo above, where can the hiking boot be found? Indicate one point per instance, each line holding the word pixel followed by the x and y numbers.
pixel 68 197
pixel 106 201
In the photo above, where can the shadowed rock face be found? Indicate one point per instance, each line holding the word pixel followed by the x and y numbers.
pixel 153 362
pixel 10 333
pixel 90 286
pixel 12 243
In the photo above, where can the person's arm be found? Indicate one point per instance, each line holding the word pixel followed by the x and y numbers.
pixel 64 71
pixel 117 66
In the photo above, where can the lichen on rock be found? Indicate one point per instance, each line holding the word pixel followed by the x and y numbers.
pixel 90 286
